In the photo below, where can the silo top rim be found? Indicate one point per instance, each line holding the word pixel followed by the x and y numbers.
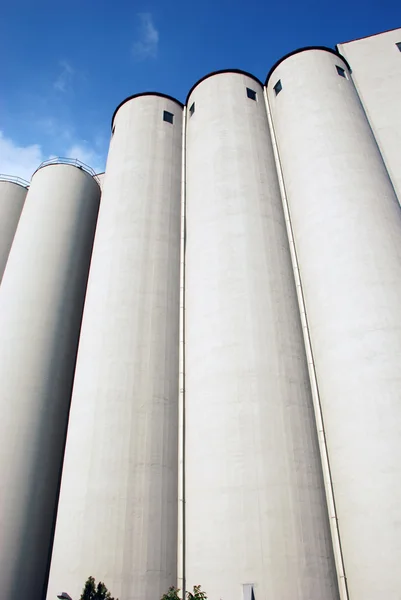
pixel 71 162
pixel 305 49
pixel 144 94
pixel 13 179
pixel 239 71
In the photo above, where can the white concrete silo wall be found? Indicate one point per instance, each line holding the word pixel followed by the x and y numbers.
pixel 376 71
pixel 117 516
pixel 255 503
pixel 12 198
pixel 41 302
pixel 347 230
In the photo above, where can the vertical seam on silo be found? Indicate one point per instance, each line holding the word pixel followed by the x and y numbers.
pixel 181 403
pixel 374 134
pixel 334 527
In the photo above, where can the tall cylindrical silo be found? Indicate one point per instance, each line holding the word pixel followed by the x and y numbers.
pixel 117 517
pixel 347 231
pixel 41 302
pixel 12 197
pixel 256 514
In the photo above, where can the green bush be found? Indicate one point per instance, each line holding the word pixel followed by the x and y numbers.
pixel 93 592
pixel 197 595
pixel 173 594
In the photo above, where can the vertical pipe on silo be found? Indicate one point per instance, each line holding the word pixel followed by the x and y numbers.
pixel 12 198
pixel 347 232
pixel 41 302
pixel 256 514
pixel 181 386
pixel 117 517
pixel 338 556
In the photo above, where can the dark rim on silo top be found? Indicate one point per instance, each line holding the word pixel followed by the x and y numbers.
pixel 213 73
pixel 144 94
pixel 305 49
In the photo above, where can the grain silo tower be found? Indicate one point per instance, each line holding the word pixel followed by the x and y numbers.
pixel 256 516
pixel 41 302
pixel 13 191
pixel 347 230
pixel 117 517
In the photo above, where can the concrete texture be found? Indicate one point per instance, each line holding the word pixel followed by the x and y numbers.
pixel 347 230
pixel 376 71
pixel 255 504
pixel 240 346
pixel 12 198
pixel 117 517
pixel 41 302
pixel 100 179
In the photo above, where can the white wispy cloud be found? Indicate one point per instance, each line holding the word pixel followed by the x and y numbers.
pixel 147 43
pixel 64 80
pixel 20 161
pixel 86 154
pixel 55 129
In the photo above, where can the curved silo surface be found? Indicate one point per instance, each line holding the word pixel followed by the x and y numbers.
pixel 41 302
pixel 100 179
pixel 256 512
pixel 117 514
pixel 12 198
pixel 347 230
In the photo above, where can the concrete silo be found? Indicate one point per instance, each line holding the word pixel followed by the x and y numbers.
pixel 41 302
pixel 100 179
pixel 117 517
pixel 347 231
pixel 13 192
pixel 256 516
pixel 376 71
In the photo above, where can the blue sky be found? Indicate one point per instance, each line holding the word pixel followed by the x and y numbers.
pixel 65 66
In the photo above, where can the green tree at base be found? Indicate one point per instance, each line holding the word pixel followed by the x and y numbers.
pixel 197 595
pixel 93 592
pixel 173 594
